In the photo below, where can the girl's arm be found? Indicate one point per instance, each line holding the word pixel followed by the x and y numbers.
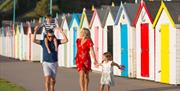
pixel 99 64
pixel 115 64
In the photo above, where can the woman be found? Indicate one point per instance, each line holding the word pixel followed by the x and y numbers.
pixel 83 61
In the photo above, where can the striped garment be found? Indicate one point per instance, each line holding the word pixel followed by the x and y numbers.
pixel 52 25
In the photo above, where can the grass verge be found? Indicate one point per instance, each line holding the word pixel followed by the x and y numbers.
pixel 8 86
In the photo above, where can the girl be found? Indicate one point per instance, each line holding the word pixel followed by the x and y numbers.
pixel 107 71
pixel 50 24
pixel 83 60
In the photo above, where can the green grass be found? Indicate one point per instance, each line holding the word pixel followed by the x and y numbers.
pixel 8 86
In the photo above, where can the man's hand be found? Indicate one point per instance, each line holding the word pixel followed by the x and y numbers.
pixel 60 29
pixel 36 28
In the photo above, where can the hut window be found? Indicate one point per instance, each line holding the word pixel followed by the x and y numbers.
pixel 123 17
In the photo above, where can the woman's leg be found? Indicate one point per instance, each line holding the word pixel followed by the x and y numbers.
pixel 81 79
pixel 86 80
pixel 101 87
pixel 107 87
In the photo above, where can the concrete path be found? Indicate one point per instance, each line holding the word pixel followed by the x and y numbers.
pixel 30 76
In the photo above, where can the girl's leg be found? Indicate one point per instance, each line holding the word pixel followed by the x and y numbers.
pixel 86 80
pixel 101 87
pixel 55 43
pixel 107 87
pixel 46 44
pixel 81 79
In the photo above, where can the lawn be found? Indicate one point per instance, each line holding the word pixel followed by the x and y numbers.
pixel 8 86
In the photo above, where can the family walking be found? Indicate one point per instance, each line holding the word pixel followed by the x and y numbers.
pixel 85 48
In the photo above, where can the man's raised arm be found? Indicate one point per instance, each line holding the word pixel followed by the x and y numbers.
pixel 34 39
pixel 65 39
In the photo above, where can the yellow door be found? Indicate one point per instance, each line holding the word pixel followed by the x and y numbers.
pixel 165 53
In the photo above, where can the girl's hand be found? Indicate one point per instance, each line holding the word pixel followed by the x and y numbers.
pixel 96 64
pixel 121 67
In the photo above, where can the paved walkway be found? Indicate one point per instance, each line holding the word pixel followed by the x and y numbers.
pixel 30 76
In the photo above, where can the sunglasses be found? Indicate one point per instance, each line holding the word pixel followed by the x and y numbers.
pixel 50 36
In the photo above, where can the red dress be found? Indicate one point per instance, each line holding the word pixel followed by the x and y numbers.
pixel 83 60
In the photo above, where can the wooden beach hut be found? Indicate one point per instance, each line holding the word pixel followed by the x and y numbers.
pixel 64 59
pixel 97 34
pixel 145 39
pixel 167 43
pixel 85 18
pixel 125 33
pixel 73 35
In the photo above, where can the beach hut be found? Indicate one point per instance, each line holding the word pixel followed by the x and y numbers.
pixel 108 29
pixel 11 42
pixel 3 46
pixel 17 42
pixel 1 41
pixel 14 40
pixel 64 50
pixel 85 18
pixel 73 35
pixel 22 43
pixel 8 42
pixel 167 43
pixel 58 35
pixel 36 53
pixel 124 50
pixel 97 34
pixel 145 39
pixel 29 43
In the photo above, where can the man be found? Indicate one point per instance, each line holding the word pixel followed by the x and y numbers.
pixel 49 24
pixel 50 59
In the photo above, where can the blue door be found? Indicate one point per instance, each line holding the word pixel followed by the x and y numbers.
pixel 74 44
pixel 124 49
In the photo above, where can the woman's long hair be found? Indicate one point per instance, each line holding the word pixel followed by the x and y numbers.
pixel 87 33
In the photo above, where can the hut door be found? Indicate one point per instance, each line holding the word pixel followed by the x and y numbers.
pixel 124 49
pixel 145 50
pixel 74 44
pixel 110 39
pixel 164 53
pixel 96 31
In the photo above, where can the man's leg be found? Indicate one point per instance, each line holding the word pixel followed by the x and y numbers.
pixel 47 83
pixel 47 77
pixel 53 75
pixel 53 82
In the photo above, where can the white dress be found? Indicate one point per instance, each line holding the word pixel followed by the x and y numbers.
pixel 107 74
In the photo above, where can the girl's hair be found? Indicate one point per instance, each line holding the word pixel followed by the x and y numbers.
pixel 108 56
pixel 87 33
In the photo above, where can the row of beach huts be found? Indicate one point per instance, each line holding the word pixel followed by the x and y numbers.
pixel 143 37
